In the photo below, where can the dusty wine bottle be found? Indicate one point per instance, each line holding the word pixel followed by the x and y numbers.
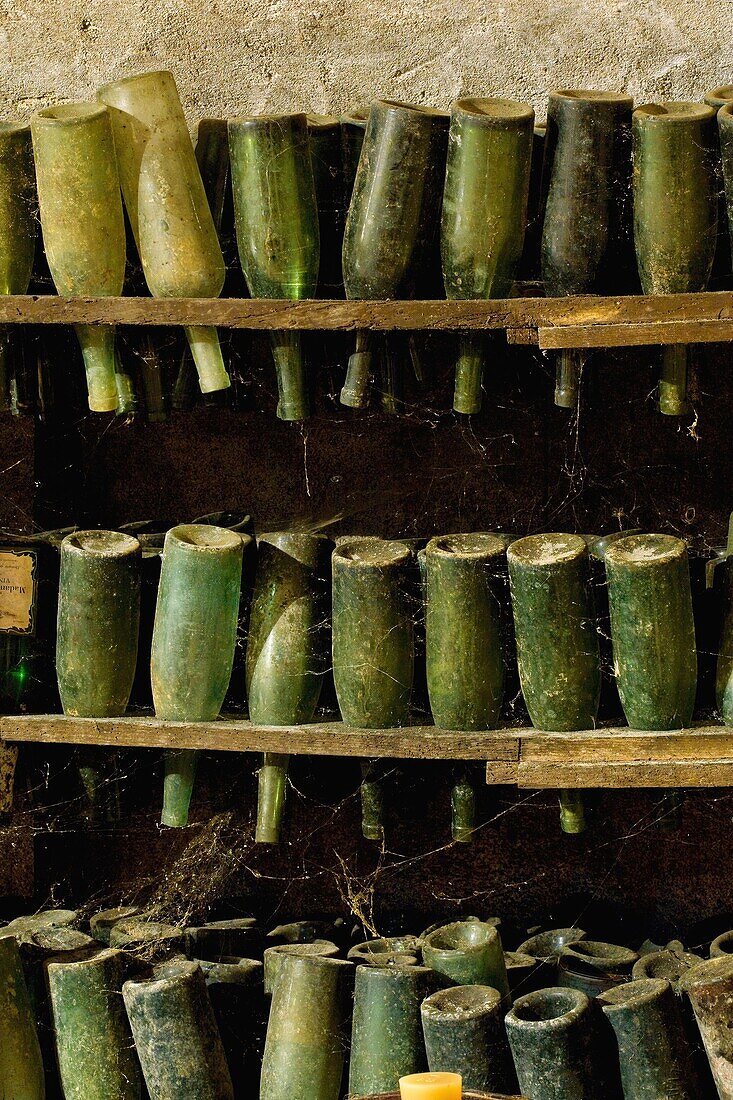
pixel 166 204
pixel 586 235
pixel 484 216
pixel 98 618
pixel 652 630
pixel 276 218
pixel 675 216
pixel 83 225
pixel 393 220
pixel 287 651
pixel 372 632
pixel 463 630
pixel 18 214
pixel 194 637
pixel 561 678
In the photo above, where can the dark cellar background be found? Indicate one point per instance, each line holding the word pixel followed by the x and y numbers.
pixel 650 864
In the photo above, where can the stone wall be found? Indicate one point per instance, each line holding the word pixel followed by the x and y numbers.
pixel 245 56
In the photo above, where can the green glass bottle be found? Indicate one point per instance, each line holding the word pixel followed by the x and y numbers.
pixel 386 1035
pixel 94 1047
pixel 83 226
pixel 276 218
pixel 652 630
pixel 21 1065
pixel 586 233
pixel 189 1063
pixel 393 221
pixel 484 216
pixel 212 157
pixel 194 638
pixel 98 619
pixel 167 205
pixel 372 632
pixel 675 216
pixel 557 641
pixel 463 630
pixel 305 1043
pixel 653 1051
pixel 287 651
pixel 464 1033
pixel 18 215
pixel 467 953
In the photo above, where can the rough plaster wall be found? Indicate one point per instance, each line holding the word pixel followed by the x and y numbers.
pixel 243 56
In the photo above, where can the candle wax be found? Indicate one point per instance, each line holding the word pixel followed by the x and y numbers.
pixel 431 1086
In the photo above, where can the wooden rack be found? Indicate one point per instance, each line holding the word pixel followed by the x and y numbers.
pixel 549 323
pixel 606 757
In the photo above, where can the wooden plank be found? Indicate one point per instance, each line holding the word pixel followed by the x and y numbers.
pixel 516 313
pixel 636 335
pixel 659 773
pixel 626 746
pixel 317 739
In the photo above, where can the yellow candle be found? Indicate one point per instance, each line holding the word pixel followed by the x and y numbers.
pixel 431 1086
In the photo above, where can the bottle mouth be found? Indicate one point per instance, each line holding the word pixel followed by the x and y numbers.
pixel 640 550
pixel 494 111
pixel 70 114
pixel 547 550
pixel 481 545
pixel 463 1002
pixel 548 1007
pixel 674 112
pixel 373 552
pixel 202 536
pixel 632 994
pixel 102 544
pixel 152 76
pixel 412 108
pixel 592 95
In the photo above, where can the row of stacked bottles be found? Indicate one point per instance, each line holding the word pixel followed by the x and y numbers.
pixel 206 617
pixel 369 188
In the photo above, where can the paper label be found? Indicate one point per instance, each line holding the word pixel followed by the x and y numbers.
pixel 17 592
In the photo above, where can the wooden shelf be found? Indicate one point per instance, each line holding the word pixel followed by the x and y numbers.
pixel 607 757
pixel 583 322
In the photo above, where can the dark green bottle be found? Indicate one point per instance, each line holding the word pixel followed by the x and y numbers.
pixel 372 632
pixel 21 1065
pixel 484 216
pixel 586 235
pixel 467 953
pixel 653 631
pixel 463 630
pixel 557 640
pixel 94 1047
pixel 98 618
pixel 324 135
pixel 175 1033
pixel 675 216
pixel 276 219
pixel 353 128
pixel 287 651
pixel 305 1044
pixel 557 1051
pixel 393 221
pixel 464 1033
pixel 653 1051
pixel 386 1035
